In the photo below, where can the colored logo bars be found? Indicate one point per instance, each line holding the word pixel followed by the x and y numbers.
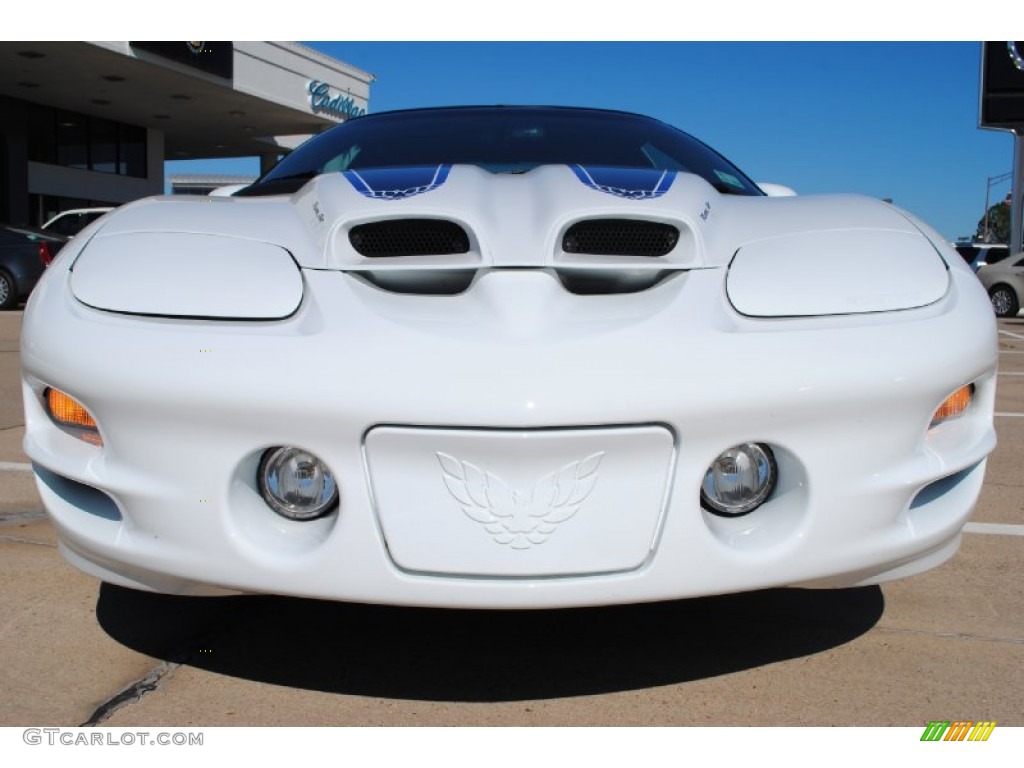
pixel 958 730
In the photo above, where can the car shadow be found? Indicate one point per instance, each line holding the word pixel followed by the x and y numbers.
pixel 484 656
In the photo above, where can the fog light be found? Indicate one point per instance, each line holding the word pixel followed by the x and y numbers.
pixel 71 416
pixel 296 484
pixel 953 405
pixel 739 480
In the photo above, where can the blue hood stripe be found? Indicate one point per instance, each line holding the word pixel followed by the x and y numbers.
pixel 397 183
pixel 630 183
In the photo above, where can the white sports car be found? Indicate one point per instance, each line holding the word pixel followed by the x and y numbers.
pixel 507 357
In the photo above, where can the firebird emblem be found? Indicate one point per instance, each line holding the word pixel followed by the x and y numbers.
pixel 516 519
pixel 629 183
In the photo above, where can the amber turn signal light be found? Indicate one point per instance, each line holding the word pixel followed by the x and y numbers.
pixel 953 405
pixel 72 415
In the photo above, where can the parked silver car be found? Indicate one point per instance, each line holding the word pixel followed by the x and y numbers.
pixel 1005 284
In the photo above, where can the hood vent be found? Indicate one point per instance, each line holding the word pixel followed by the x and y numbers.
pixel 620 237
pixel 409 237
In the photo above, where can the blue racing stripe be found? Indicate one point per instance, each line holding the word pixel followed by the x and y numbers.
pixel 397 183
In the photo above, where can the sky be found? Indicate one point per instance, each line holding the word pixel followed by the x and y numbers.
pixel 886 119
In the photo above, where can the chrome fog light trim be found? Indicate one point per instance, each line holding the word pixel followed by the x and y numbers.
pixel 296 483
pixel 739 480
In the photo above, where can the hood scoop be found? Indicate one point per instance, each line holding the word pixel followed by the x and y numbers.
pixel 620 237
pixel 393 238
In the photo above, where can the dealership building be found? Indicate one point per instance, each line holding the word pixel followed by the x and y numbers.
pixel 87 124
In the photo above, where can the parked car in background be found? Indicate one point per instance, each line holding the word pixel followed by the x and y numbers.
pixel 70 223
pixel 24 253
pixel 979 255
pixel 1005 285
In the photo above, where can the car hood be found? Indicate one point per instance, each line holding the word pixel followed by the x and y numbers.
pixel 787 256
pixel 511 219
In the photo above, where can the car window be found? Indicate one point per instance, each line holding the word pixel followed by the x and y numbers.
pixel 72 223
pixel 67 225
pixel 995 255
pixel 968 252
pixel 503 140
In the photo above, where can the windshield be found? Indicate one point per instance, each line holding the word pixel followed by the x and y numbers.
pixel 502 140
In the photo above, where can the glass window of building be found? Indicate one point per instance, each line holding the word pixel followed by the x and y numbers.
pixel 132 151
pixel 102 145
pixel 60 137
pixel 72 140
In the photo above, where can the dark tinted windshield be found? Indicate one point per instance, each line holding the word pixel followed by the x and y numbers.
pixel 502 140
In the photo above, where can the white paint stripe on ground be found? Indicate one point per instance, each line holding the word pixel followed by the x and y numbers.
pixel 14 466
pixel 1012 335
pixel 1010 415
pixel 1011 373
pixel 998 529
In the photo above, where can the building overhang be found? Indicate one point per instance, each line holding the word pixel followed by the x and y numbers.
pixel 264 105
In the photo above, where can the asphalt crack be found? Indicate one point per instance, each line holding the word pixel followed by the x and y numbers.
pixel 182 653
pixel 132 693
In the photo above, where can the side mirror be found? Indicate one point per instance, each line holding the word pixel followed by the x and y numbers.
pixel 776 190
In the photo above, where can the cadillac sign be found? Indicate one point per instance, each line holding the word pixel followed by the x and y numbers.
pixel 321 100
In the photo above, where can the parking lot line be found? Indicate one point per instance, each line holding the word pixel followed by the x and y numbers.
pixel 1014 335
pixel 15 466
pixel 998 529
pixel 1007 414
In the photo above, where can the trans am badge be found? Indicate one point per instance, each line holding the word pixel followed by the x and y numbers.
pixel 520 520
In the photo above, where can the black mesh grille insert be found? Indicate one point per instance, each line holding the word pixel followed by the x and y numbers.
pixel 409 237
pixel 620 237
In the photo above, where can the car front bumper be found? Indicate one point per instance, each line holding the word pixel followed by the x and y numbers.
pixel 520 379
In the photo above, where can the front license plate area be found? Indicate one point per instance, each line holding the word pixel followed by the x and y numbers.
pixel 519 503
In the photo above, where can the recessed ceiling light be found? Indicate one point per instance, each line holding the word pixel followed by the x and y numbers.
pixel 113 78
pixel 31 55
